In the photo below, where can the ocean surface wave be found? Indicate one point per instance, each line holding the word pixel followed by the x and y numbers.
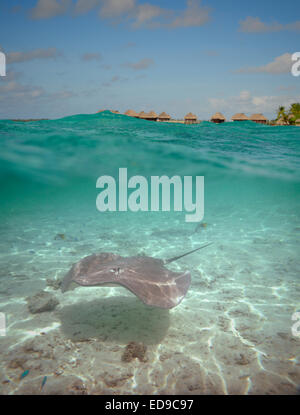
pixel 54 150
pixel 231 334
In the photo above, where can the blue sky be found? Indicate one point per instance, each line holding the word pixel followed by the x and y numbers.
pixel 78 56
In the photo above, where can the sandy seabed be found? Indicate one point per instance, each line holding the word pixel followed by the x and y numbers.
pixel 230 335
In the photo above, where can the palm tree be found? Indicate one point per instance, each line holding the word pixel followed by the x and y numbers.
pixel 295 110
pixel 280 112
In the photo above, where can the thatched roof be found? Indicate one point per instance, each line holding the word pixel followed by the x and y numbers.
pixel 152 114
pixel 218 116
pixel 142 114
pixel 164 116
pixel 131 113
pixel 148 115
pixel 239 117
pixel 190 116
pixel 258 117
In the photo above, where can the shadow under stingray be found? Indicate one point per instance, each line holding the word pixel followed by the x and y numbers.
pixel 115 319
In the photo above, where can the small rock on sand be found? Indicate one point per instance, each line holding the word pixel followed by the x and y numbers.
pixel 41 301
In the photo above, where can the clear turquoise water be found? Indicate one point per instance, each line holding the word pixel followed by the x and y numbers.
pixel 245 287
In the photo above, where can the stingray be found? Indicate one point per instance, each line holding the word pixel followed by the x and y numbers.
pixel 144 276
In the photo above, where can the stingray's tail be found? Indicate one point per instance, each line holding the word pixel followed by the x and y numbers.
pixel 167 261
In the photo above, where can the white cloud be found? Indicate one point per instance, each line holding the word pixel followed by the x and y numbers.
pixel 91 56
pixel 116 8
pixel 255 25
pixel 113 80
pixel 64 94
pixel 49 53
pixel 145 13
pixel 249 104
pixel 194 15
pixel 13 91
pixel 281 64
pixel 45 9
pixel 217 102
pixel 286 88
pixel 245 95
pixel 152 16
pixel 294 27
pixel 84 6
pixel 132 11
pixel 140 65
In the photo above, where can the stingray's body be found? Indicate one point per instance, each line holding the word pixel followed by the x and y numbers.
pixel 146 277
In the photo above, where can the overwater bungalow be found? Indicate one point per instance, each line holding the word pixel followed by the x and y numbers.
pixel 240 117
pixel 258 118
pixel 132 113
pixel 142 115
pixel 150 116
pixel 190 118
pixel 163 117
pixel 218 118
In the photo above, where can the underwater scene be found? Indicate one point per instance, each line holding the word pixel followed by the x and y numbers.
pixel 232 328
